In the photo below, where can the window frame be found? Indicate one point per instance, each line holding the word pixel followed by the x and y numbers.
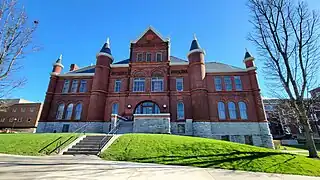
pixel 77 112
pixel 116 88
pixel 62 105
pixel 139 60
pixel 74 86
pixel 225 78
pixel 83 86
pixel 66 86
pixel 180 111
pixel 224 117
pixel 238 79
pixel 148 53
pixel 155 80
pixel 137 80
pixel 232 111
pixel 115 106
pixel 159 53
pixel 215 83
pixel 66 114
pixel 241 110
pixel 177 82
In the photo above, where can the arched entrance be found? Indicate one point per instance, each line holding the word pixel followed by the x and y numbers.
pixel 147 107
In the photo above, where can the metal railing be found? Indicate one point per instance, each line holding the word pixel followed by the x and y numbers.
pixel 103 142
pixel 59 142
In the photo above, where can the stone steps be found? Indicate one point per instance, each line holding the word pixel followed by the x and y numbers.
pixel 90 145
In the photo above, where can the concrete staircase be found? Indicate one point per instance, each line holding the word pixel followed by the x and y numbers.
pixel 125 127
pixel 90 145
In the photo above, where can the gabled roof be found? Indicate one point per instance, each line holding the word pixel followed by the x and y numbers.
pixel 153 30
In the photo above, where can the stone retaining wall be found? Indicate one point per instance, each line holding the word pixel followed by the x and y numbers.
pixel 92 127
pixel 151 123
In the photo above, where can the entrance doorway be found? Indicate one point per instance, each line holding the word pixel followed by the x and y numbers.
pixel 147 107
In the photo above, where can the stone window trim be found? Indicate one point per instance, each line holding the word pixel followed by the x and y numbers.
pixel 159 57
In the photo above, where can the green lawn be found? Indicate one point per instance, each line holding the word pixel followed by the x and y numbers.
pixel 31 144
pixel 202 152
pixel 297 147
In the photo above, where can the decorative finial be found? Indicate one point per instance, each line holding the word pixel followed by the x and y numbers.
pixel 60 57
pixel 194 36
pixel 108 40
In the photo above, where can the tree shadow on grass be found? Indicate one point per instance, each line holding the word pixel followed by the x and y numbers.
pixel 234 159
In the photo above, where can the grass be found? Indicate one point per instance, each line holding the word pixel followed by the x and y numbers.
pixel 297 147
pixel 31 144
pixel 203 152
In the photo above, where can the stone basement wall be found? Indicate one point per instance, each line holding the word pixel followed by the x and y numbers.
pixel 152 123
pixel 92 127
pixel 260 132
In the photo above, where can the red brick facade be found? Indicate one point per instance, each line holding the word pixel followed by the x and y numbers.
pixel 199 96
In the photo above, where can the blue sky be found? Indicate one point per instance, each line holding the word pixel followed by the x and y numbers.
pixel 78 28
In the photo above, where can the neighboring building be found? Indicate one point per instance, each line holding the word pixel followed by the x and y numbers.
pixel 19 115
pixel 283 122
pixel 158 93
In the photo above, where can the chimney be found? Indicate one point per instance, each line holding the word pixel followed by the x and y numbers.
pixel 73 67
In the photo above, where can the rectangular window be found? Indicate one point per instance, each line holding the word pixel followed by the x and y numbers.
pixel 14 109
pixel 148 57
pixel 228 83
pixel 66 85
pixel 225 138
pixel 237 81
pixel 179 84
pixel 157 84
pixel 2 119
pixel 83 86
pixel 117 85
pixel 248 139
pixel 181 128
pixel 138 85
pixel 159 57
pixel 23 109
pixel 218 83
pixel 139 57
pixel 32 109
pixel 74 86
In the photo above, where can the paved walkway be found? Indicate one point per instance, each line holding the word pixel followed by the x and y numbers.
pixel 91 167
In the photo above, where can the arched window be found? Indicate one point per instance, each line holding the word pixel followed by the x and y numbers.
pixel 78 111
pixel 147 108
pixel 115 108
pixel 232 110
pixel 68 114
pixel 60 110
pixel 243 110
pixel 221 110
pixel 180 110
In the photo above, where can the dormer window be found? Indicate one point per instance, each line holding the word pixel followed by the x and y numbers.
pixel 148 57
pixel 159 57
pixel 139 57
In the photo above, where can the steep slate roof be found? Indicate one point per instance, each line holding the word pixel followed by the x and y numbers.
pixel 247 55
pixel 210 66
pixel 194 45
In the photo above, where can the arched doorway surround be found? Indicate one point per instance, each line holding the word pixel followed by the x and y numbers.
pixel 147 107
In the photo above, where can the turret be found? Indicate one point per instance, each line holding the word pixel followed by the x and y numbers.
pixel 248 61
pixel 57 66
pixel 100 84
pixel 197 74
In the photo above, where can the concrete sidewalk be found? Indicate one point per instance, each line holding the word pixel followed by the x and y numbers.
pixel 92 167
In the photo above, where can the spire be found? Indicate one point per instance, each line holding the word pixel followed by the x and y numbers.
pixel 106 47
pixel 59 60
pixel 247 55
pixel 194 44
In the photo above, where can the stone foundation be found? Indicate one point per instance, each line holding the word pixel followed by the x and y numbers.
pixel 236 131
pixel 151 123
pixel 92 127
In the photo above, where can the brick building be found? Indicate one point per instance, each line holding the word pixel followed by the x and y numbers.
pixel 19 115
pixel 158 93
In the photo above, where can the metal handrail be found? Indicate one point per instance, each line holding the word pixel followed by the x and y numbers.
pixel 102 143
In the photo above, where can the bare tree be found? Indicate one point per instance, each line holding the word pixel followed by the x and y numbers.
pixel 286 34
pixel 15 43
